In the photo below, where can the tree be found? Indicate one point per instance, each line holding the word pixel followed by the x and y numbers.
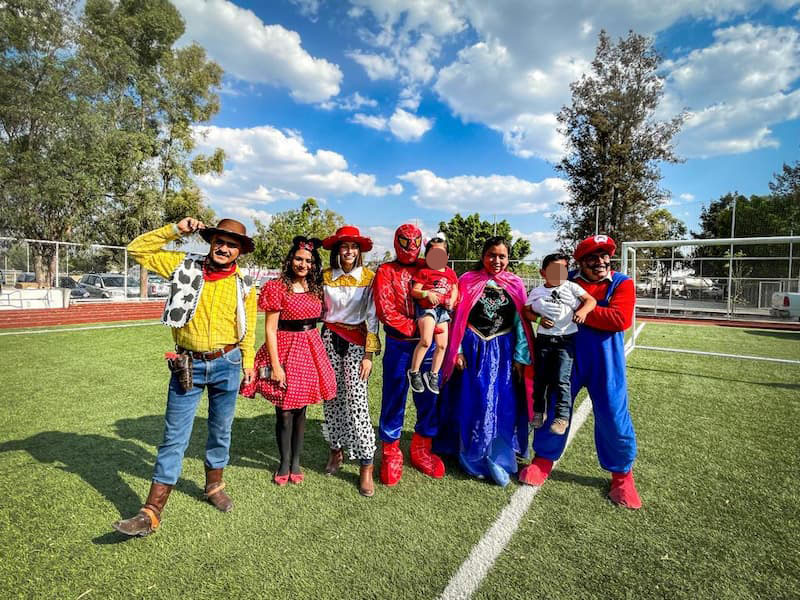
pixel 98 115
pixel 50 161
pixel 273 241
pixel 466 236
pixel 154 95
pixel 757 216
pixel 614 143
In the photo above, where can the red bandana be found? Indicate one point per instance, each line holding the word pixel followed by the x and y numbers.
pixel 218 274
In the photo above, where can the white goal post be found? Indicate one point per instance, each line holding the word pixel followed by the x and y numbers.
pixel 721 299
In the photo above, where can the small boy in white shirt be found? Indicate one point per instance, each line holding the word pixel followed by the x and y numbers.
pixel 565 303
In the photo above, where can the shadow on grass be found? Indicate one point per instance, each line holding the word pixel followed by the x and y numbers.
pixel 601 484
pixel 253 442
pixel 100 461
pixel 784 386
pixel 782 335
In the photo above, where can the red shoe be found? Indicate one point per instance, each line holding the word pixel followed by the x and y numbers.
pixel 392 463
pixel 280 479
pixel 425 460
pixel 623 491
pixel 537 472
pixel 296 477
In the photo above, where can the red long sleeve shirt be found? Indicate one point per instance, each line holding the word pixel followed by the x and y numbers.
pixel 392 292
pixel 618 315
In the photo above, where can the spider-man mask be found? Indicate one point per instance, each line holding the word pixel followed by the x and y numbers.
pixel 407 243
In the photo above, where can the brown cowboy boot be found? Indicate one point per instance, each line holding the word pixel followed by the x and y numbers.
pixel 366 487
pixel 147 520
pixel 334 461
pixel 215 490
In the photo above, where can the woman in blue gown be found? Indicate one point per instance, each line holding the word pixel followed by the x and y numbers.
pixel 484 409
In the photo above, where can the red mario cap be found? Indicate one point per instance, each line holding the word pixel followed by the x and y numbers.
pixel 593 243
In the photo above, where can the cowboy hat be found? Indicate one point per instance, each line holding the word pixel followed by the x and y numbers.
pixel 231 228
pixel 348 233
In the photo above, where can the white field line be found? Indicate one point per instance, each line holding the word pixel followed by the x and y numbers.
pixel 702 353
pixel 483 555
pixel 32 331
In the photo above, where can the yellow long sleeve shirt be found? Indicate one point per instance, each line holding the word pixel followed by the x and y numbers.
pixel 213 325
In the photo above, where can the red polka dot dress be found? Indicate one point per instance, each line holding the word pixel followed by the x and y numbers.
pixel 309 376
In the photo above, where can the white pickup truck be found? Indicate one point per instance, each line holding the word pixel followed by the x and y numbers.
pixel 785 305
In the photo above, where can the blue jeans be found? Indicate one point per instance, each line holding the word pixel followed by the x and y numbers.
pixel 221 377
pixel 552 366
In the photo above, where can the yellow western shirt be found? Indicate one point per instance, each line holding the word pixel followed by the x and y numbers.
pixel 213 325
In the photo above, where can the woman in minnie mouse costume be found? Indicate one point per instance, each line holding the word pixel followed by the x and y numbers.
pixel 395 308
pixel 293 367
pixel 600 367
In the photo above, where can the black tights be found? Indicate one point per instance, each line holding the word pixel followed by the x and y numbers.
pixel 290 429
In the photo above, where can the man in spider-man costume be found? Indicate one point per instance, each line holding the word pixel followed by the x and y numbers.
pixel 395 308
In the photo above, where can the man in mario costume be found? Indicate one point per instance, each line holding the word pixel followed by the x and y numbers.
pixel 600 367
pixel 395 308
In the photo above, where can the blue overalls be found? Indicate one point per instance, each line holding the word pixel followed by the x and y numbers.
pixel 600 367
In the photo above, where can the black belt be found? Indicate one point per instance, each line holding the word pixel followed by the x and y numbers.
pixel 297 324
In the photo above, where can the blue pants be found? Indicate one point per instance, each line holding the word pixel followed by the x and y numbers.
pixel 600 367
pixel 221 377
pixel 396 361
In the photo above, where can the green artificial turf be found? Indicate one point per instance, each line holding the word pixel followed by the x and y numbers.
pixel 83 414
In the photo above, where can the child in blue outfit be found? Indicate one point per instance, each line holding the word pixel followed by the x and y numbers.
pixel 435 293
pixel 565 303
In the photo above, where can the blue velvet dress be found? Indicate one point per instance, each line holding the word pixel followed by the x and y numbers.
pixel 484 415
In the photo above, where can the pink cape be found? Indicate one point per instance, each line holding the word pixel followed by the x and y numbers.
pixel 470 288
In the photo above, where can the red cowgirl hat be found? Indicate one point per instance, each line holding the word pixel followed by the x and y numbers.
pixel 348 233
pixel 593 243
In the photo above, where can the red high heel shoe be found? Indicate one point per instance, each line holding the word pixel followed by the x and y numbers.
pixel 296 477
pixel 280 479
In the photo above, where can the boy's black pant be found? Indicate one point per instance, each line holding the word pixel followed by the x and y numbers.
pixel 552 367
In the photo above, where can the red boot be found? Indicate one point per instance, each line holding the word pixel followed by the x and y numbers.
pixel 623 491
pixel 537 472
pixel 425 460
pixel 392 463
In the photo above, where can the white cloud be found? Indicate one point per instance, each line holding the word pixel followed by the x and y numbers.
pixel 308 8
pixel 353 102
pixel 686 197
pixel 376 66
pixel 248 213
pixel 408 127
pixel 265 164
pixel 261 53
pixel 542 242
pixel 738 127
pixel 515 81
pixel 404 126
pixel 371 121
pixel 440 16
pixel 503 194
pixel 746 61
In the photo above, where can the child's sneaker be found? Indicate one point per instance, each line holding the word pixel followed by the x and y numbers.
pixel 538 420
pixel 431 381
pixel 559 426
pixel 415 381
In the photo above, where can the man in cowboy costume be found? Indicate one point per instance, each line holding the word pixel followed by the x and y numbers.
pixel 600 367
pixel 212 312
pixel 395 308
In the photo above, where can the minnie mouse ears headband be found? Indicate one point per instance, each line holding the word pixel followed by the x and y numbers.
pixel 301 242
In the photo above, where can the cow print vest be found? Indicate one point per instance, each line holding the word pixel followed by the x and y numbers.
pixel 186 285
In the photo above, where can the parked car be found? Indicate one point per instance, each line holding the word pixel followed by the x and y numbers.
pixel 110 285
pixel 157 286
pixel 785 305
pixel 26 279
pixel 76 290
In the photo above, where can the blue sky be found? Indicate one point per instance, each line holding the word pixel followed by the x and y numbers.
pixel 396 110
